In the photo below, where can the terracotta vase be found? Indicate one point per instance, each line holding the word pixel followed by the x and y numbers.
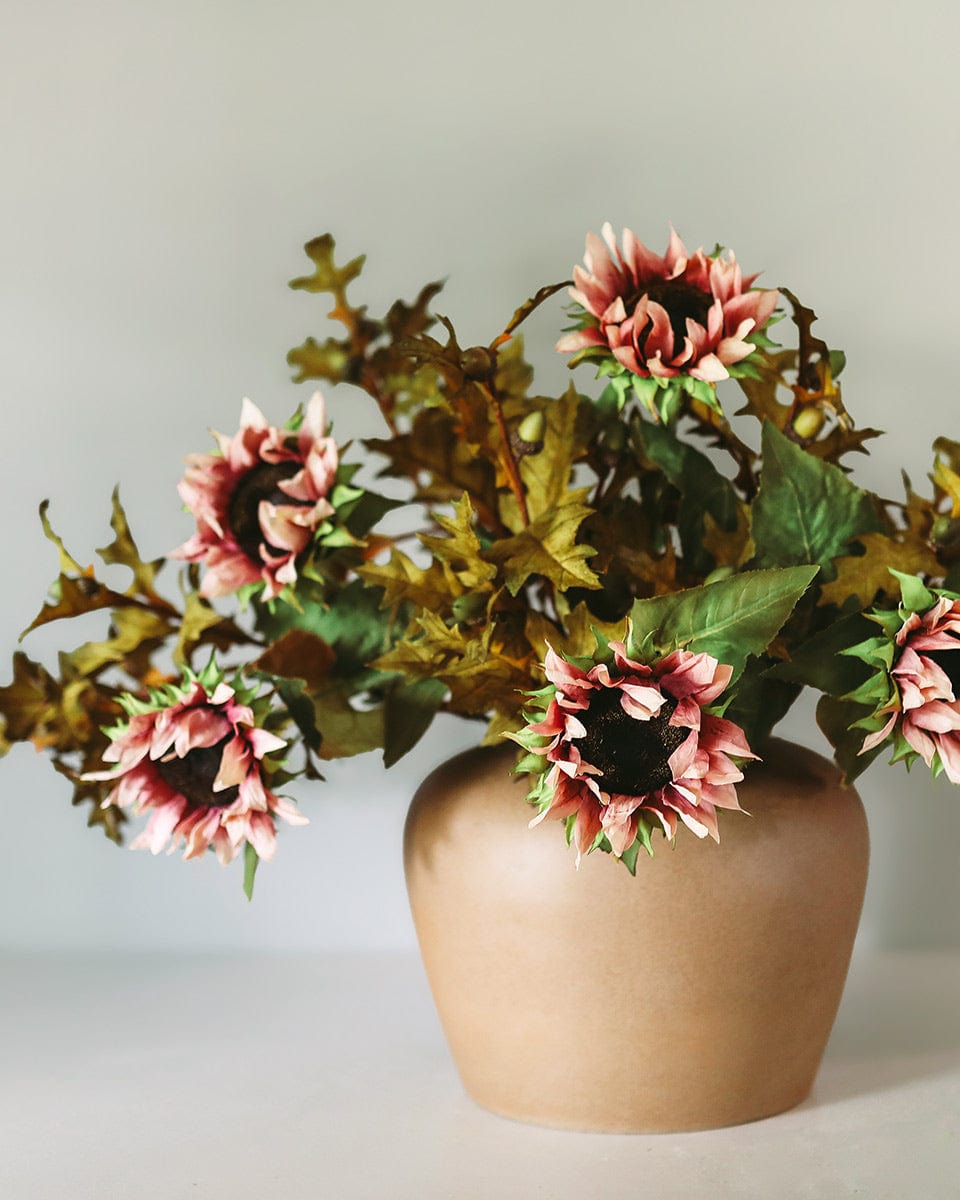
pixel 698 994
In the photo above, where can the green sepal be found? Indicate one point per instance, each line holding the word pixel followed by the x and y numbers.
pixel 251 860
pixel 614 396
pixel 641 842
pixel 700 390
pixel 530 764
pixel 915 596
pixel 646 392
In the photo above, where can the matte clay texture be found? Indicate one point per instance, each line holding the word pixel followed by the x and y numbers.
pixel 699 994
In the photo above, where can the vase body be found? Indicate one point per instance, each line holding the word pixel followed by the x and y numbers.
pixel 697 994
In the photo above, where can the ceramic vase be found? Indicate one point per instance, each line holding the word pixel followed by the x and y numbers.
pixel 697 994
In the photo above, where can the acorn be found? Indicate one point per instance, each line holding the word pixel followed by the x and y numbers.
pixel 808 422
pixel 527 438
pixel 479 363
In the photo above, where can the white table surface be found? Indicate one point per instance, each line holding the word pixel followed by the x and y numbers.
pixel 327 1077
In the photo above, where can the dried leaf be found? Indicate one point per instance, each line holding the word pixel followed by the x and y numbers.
pixel 435 446
pixel 405 320
pixel 131 630
pixel 68 564
pixel 202 625
pixel 946 472
pixel 479 678
pixel 548 547
pixel 123 550
pixel 73 597
pixel 110 819
pixel 514 374
pixel 327 276
pixel 577 638
pixel 434 587
pixel 867 577
pixel 329 360
pixel 77 592
pixel 529 306
pixel 461 550
pixel 298 654
pixel 729 548
pixel 545 473
pixel 29 705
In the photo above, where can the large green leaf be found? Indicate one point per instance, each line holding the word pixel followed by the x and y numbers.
pixel 819 662
pixel 807 510
pixel 835 717
pixel 408 710
pixel 701 486
pixel 351 622
pixel 760 703
pixel 730 619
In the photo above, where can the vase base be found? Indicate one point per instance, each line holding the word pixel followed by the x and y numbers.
pixel 634 1123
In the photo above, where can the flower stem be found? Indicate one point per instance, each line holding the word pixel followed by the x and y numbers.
pixel 507 456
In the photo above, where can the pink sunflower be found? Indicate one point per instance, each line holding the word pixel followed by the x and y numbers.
pixel 259 502
pixel 635 742
pixel 926 675
pixel 659 317
pixel 193 759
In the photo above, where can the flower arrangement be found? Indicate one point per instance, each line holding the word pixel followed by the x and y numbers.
pixel 633 582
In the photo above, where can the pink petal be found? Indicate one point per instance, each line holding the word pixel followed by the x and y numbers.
pixel 235 764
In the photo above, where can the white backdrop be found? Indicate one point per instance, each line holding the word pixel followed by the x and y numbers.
pixel 162 165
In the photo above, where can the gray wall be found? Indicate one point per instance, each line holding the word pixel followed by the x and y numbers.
pixel 163 163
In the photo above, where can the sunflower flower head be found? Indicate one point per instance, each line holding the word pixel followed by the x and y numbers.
pixel 196 757
pixel 665 325
pixel 914 691
pixel 264 501
pixel 618 748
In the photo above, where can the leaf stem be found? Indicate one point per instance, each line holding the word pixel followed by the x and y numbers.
pixel 507 457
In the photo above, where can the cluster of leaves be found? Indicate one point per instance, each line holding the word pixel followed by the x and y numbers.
pixel 65 713
pixel 539 520
pixel 560 532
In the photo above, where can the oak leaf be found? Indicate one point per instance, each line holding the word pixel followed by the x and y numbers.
pixel 435 586
pixel 461 550
pixel 548 547
pixel 867 576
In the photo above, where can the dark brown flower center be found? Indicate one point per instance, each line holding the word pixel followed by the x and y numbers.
pixel 681 300
pixel 949 662
pixel 243 513
pixel 193 776
pixel 632 754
